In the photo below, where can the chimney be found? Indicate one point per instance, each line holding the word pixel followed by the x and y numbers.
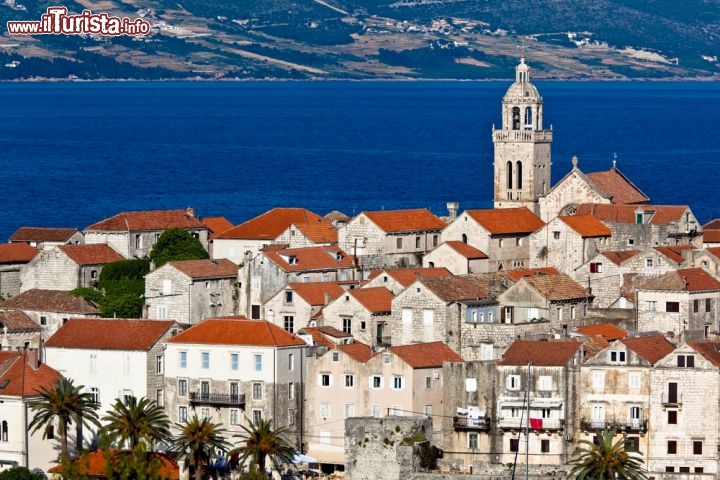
pixel 33 358
pixel 190 212
pixel 452 210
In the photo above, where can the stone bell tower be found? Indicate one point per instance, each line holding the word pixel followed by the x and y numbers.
pixel 522 147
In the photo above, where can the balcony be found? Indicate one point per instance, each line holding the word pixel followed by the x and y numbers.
pixel 632 425
pixel 523 135
pixel 471 424
pixel 674 401
pixel 217 399
pixel 513 423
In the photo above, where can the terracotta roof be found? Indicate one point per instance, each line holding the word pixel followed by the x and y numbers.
pixel 674 252
pixel 619 257
pixel 464 287
pixel 471 253
pixel 556 288
pixel 237 331
pixel 530 272
pixel 92 254
pixel 714 251
pixel 22 379
pixel 271 224
pixel 587 226
pixel 42 234
pixel 406 276
pixel 660 214
pixel 708 349
pixel 49 301
pixel 688 280
pixel 652 348
pixel 712 225
pixel 318 337
pixel 16 321
pixel 94 464
pixel 606 330
pixel 319 232
pixel 336 216
pixel 314 292
pixel 711 236
pixel 396 221
pixel 198 269
pixel 217 225
pixel 333 332
pixel 148 220
pixel 17 253
pixel 377 300
pixel 540 353
pixel 109 334
pixel 358 351
pixel 617 186
pixel 426 355
pixel 592 345
pixel 321 257
pixel 504 221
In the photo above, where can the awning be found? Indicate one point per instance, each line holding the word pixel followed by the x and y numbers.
pixel 327 453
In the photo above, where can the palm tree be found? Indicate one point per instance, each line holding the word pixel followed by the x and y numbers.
pixel 131 421
pixel 261 442
pixel 605 460
pixel 65 403
pixel 198 439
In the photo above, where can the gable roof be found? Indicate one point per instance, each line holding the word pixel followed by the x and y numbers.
pixel 377 300
pixel 269 225
pixel 318 338
pixel 517 275
pixel 19 377
pixel 91 254
pixel 674 252
pixel 426 355
pixel 556 288
pixel 17 322
pixel 617 186
pixel 708 349
pixel 406 276
pixel 463 287
pixel 396 221
pixel 42 234
pixel 606 330
pixel 618 257
pixel 711 236
pixel 586 226
pixel 357 351
pixel 237 331
pixel 319 232
pixel 505 221
pixel 320 257
pixel 49 301
pixel 612 213
pixel 148 220
pixel 467 251
pixel 314 292
pixel 540 353
pixel 199 269
pixel 17 253
pixel 687 280
pixel 217 225
pixel 713 224
pixel 109 334
pixel 652 347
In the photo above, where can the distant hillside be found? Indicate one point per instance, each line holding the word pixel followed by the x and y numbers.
pixel 366 39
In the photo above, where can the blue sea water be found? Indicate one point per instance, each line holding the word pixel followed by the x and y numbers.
pixel 75 153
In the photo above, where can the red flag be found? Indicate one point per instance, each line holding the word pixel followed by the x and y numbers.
pixel 536 423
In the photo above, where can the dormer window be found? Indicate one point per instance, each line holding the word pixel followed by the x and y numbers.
pixel 617 357
pixel 639 216
pixel 338 256
pixel 686 361
pixel 292 260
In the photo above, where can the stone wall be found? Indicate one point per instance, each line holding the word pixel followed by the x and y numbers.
pixel 51 270
pixel 9 280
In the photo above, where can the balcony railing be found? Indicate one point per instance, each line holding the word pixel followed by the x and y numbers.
pixel 467 423
pixel 232 400
pixel 532 424
pixel 671 400
pixel 626 425
pixel 523 135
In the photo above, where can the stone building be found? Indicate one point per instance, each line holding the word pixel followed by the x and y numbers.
pixel 67 267
pixel 133 234
pixel 458 257
pixel 398 279
pixel 363 313
pixel 189 291
pixel 45 238
pixel 707 258
pixel 18 331
pixel 605 275
pixel 391 238
pixel 302 304
pixel 502 234
pixel 309 234
pixel 13 257
pixel 235 371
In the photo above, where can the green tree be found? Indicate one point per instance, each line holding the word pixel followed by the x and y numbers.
pixel 21 473
pixel 121 289
pixel 260 442
pixel 177 244
pixel 198 440
pixel 605 459
pixel 64 403
pixel 138 464
pixel 131 421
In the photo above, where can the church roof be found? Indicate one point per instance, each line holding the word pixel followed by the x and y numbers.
pixel 522 90
pixel 618 187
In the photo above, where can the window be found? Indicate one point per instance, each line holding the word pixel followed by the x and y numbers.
pixel 514 444
pixel 255 313
pixel 291 362
pixel 324 437
pixel 387 359
pixel 672 306
pixel 159 364
pixel 428 383
pixel 572 312
pixel 407 316
pixel 417 242
pixel 362 326
pixel 617 357
pixel 291 390
pixel 335 356
pixel 291 416
pixel 596 267
pixel 471 384
pixel 634 380
pixel 182 387
pixel 650 306
pixel 289 321
pixel 349 410
pixel 632 444
pixel 376 381
pixel 50 432
pixel 398 382
pixel 325 410
pixel 257 391
pixel 138 240
pixel 697 447
pixel 205 360
pixel 234 417
pixel 631 242
pixel 684 469
pixel 43 320
pixel 126 364
pixel 376 411
pixel 205 413
pixel 160 397
pixel 512 382
pixel 234 361
pixel 598 379
pixel 428 410
pixel 205 389
pixel 428 317
pixel 472 440
pixel 183 359
pixel 288 296
pixel 324 380
pixel 255 282
pixel 708 305
pixel 697 469
pixel 95 392
pixel 648 263
pixel 93 363
pixel 545 382
pixel 669 469
pixel 258 362
pixel 686 361
pixel 556 235
pixel 349 380
pixel 182 414
pixel 435 240
pixel 672 417
pixel 161 312
pixel 347 325
pixel 696 305
pixel 672 447
pixel 545 445
pixel 398 243
pixel 500 242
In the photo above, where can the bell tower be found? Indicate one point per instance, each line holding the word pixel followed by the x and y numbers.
pixel 522 148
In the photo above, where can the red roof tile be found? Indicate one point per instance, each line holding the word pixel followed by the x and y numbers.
pixel 617 186
pixel 652 348
pixel 318 337
pixel 711 236
pixel 148 220
pixel 619 257
pixel 587 226
pixel 109 334
pixel 377 300
pixel 314 292
pixel 530 272
pixel 42 234
pixel 606 330
pixel 333 332
pixel 93 254
pixel 426 355
pixel 217 225
pixel 712 224
pixel 270 225
pixel 406 276
pixel 674 252
pixel 49 301
pixel 95 464
pixel 708 349
pixel 714 251
pixel 557 288
pixel 319 232
pixel 505 221
pixel 237 331
pixel 198 269
pixel 16 321
pixel 688 280
pixel 22 379
pixel 540 353
pixel 462 287
pixel 396 221
pixel 17 253
pixel 321 257
pixel 358 351
pixel 471 253
pixel 659 214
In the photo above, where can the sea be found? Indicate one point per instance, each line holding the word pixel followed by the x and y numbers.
pixel 75 153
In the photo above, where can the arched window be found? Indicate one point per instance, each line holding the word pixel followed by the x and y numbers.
pixel 518 174
pixel 516 118
pixel 528 118
pixel 509 175
pixel 464 238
